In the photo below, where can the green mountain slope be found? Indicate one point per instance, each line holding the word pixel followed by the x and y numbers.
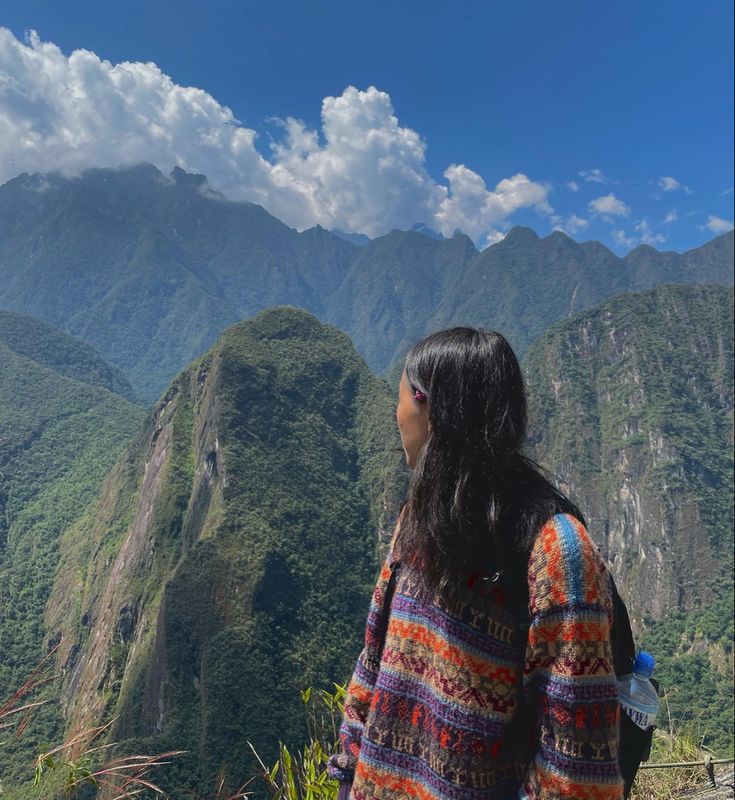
pixel 632 410
pixel 60 433
pixel 393 289
pixel 49 347
pixel 229 559
pixel 151 268
pixel 632 407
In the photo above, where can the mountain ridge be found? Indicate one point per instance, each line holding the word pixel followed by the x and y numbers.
pixel 150 269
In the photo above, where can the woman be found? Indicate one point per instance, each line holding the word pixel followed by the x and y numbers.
pixel 464 701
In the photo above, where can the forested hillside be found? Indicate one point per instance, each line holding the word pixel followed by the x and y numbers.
pixel 229 558
pixel 62 425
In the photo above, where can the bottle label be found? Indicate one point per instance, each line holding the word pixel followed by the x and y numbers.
pixel 641 718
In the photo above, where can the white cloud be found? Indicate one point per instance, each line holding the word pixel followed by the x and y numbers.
pixel 609 206
pixel 646 235
pixel 718 225
pixel 471 206
pixel 494 238
pixel 668 184
pixel 570 224
pixel 361 171
pixel 573 186
pixel 727 192
pixel 621 239
pixel 593 175
pixel 672 216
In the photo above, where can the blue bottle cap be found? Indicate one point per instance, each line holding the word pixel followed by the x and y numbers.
pixel 644 664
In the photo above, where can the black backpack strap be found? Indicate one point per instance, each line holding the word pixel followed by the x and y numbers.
pixel 621 634
pixel 519 740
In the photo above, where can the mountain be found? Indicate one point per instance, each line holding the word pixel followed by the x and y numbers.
pixel 151 268
pixel 632 407
pixel 524 283
pixel 64 418
pixel 422 227
pixel 632 410
pixel 393 288
pixel 189 598
pixel 355 238
pixel 46 346
pixel 229 558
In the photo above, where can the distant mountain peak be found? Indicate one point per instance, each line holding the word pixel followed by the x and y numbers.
pixel 521 233
pixel 423 228
pixel 193 179
pixel 560 236
pixel 351 236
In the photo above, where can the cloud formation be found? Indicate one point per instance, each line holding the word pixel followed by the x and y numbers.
pixel 609 206
pixel 621 239
pixel 571 224
pixel 593 175
pixel 719 225
pixel 361 171
pixel 646 235
pixel 471 206
pixel 668 184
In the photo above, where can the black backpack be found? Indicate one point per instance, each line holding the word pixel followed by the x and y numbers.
pixel 635 744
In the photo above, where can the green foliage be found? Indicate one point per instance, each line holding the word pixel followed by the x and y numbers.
pixel 59 437
pixel 694 654
pixel 252 580
pixel 671 783
pixel 303 776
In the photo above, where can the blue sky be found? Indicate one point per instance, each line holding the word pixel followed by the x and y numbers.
pixel 618 116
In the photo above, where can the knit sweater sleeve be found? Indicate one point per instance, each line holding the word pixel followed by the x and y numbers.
pixel 357 703
pixel 569 668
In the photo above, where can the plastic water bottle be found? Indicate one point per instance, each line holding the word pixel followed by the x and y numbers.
pixel 638 696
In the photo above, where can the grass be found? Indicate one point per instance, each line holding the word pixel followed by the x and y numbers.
pixel 673 746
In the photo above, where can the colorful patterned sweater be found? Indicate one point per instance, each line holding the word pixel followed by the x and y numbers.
pixel 428 721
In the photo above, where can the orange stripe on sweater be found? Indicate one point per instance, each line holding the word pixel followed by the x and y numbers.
pixel 451 653
pixel 395 786
pixel 565 787
pixel 570 631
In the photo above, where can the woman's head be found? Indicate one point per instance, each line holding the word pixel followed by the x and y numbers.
pixel 471 402
pixel 474 497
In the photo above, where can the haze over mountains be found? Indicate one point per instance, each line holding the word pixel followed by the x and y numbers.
pixel 151 268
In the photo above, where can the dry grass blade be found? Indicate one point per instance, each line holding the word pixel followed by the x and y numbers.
pixel 119 778
pixel 14 715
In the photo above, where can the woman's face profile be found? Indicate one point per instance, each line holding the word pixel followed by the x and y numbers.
pixel 412 417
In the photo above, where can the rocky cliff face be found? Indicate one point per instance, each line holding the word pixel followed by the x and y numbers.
pixel 228 560
pixel 632 409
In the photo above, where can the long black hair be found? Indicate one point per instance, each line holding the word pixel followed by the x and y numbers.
pixel 475 501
